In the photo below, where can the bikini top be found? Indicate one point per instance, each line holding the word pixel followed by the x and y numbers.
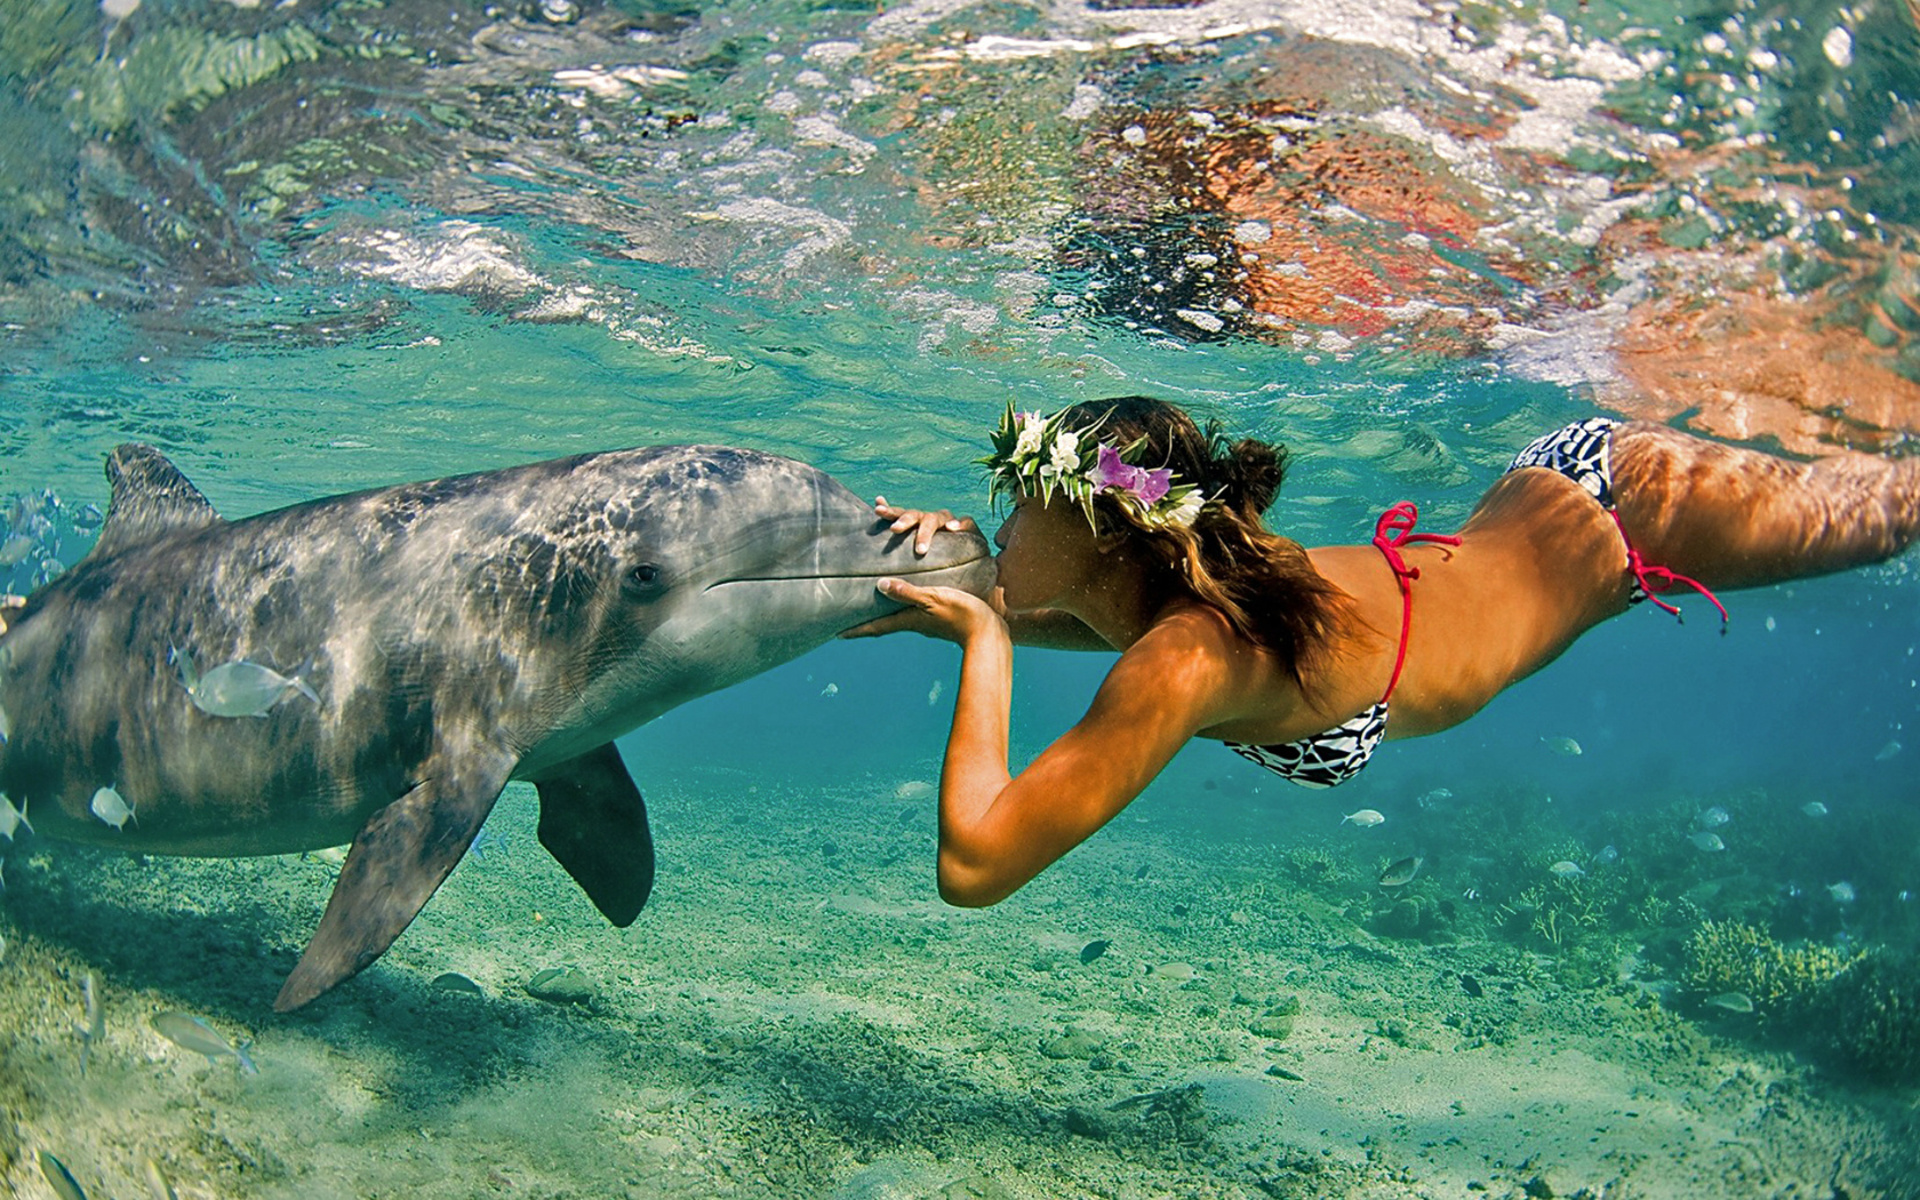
pixel 1336 755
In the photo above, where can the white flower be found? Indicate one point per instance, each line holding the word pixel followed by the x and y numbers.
pixel 1031 431
pixel 1183 512
pixel 1066 453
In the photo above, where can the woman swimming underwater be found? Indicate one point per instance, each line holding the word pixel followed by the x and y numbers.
pixel 1132 529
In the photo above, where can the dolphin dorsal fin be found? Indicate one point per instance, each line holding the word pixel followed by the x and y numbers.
pixel 150 498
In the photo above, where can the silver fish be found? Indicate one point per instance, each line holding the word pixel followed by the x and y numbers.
pixel 1734 1002
pixel 1401 873
pixel 1566 747
pixel 157 1183
pixel 12 818
pixel 1365 818
pixel 1887 751
pixel 191 1033
pixel 15 550
pixel 110 806
pixel 59 1178
pixel 1566 868
pixel 237 689
pixel 1709 842
pixel 1715 817
pixel 1814 808
pixel 96 1025
pixel 1841 892
pixel 454 981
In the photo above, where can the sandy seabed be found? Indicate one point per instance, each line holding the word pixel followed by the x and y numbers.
pixel 797 1015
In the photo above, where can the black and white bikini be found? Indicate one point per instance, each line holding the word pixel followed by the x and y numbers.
pixel 1580 451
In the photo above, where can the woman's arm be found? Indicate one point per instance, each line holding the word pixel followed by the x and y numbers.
pixel 999 830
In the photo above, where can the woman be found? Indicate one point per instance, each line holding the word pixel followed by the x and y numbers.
pixel 1134 530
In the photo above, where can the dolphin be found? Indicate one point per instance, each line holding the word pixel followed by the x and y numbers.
pixel 447 637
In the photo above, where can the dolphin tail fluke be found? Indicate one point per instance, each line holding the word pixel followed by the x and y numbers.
pixel 399 858
pixel 594 823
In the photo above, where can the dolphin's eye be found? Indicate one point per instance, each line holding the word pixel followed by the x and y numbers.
pixel 642 580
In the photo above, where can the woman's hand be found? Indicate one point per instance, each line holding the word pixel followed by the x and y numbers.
pixel 8 604
pixel 922 524
pixel 940 612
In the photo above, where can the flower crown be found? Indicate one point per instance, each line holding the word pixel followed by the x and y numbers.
pixel 1040 455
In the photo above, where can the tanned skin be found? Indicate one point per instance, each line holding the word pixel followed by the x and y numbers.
pixel 1539 563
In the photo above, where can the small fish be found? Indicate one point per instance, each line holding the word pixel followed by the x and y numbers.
pixel 1887 751
pixel 16 550
pixel 6 725
pixel 1471 986
pixel 1401 873
pixel 1431 798
pixel 1772 625
pixel 913 789
pixel 1566 868
pixel 1365 818
pixel 12 818
pixel 157 1183
pixel 1708 842
pixel 1715 817
pixel 96 1025
pixel 832 689
pixel 1814 808
pixel 454 981
pixel 59 1178
pixel 1608 855
pixel 1094 949
pixel 483 845
pixel 110 806
pixel 191 1033
pixel 1470 894
pixel 1566 747
pixel 88 518
pixel 1733 1002
pixel 933 693
pixel 237 689
pixel 1841 892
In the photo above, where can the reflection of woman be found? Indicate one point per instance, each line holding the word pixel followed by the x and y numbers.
pixel 1293 656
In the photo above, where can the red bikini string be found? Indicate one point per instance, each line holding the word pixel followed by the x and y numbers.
pixel 1393 530
pixel 1659 579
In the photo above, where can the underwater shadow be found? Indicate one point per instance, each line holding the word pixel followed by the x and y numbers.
pixel 227 963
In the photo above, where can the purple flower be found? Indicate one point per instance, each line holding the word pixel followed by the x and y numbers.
pixel 1144 485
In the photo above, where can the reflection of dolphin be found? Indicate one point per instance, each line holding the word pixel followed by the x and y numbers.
pixel 458 634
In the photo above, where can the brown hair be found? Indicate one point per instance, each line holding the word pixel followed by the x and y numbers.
pixel 1261 583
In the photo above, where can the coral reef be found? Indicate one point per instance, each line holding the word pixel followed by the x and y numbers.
pixel 1732 956
pixel 1871 1014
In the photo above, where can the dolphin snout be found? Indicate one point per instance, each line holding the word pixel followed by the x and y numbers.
pixel 956 558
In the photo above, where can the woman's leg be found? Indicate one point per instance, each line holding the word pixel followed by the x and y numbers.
pixel 1735 518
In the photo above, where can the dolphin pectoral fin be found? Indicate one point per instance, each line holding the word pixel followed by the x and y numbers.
pixel 594 823
pixel 398 859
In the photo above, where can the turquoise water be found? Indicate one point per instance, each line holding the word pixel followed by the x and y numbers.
pixel 315 247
